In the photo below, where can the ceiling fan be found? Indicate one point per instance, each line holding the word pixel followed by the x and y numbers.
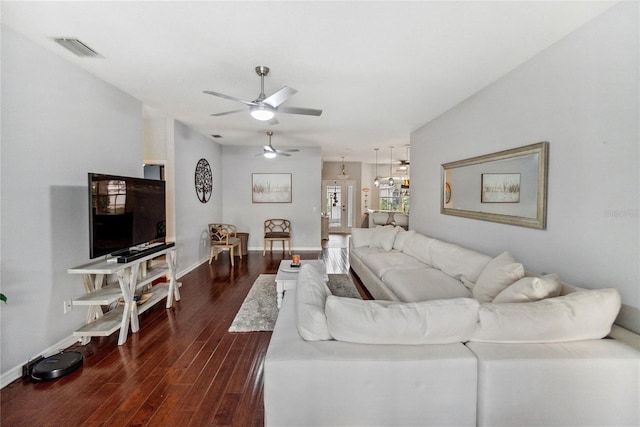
pixel 269 152
pixel 264 107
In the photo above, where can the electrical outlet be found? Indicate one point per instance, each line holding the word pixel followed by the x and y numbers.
pixel 68 306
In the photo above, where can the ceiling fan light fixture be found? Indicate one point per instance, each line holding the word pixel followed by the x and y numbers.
pixel 269 154
pixel 262 112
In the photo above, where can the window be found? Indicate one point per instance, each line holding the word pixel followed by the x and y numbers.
pixel 112 197
pixel 393 198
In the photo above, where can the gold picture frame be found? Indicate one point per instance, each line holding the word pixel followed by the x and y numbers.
pixel 464 186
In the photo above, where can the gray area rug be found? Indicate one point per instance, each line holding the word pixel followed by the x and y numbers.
pixel 259 310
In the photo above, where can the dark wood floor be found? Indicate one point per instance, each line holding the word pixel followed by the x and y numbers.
pixel 181 368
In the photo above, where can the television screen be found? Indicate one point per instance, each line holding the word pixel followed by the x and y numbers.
pixel 124 212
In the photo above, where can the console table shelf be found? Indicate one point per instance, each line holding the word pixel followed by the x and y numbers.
pixel 132 276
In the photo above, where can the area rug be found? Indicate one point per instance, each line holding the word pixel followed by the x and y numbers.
pixel 259 310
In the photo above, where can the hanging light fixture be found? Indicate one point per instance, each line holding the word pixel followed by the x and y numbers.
pixel 405 182
pixel 376 182
pixel 390 166
pixel 343 174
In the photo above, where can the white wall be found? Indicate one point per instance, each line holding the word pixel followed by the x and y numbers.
pixel 58 124
pixel 193 216
pixel 304 211
pixel 581 95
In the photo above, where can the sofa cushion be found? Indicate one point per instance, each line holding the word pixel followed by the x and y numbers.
pixel 423 284
pixel 381 262
pixel 387 322
pixel 498 274
pixel 383 237
pixel 364 252
pixel 529 289
pixel 417 246
pixel 311 295
pixel 361 237
pixel 457 261
pixel 580 315
pixel 401 238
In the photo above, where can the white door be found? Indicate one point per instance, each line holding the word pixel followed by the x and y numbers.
pixel 338 204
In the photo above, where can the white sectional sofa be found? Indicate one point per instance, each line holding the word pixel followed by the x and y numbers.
pixel 454 338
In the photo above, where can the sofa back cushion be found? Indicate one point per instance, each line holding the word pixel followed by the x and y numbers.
pixel 580 315
pixel 401 238
pixel 529 289
pixel 417 246
pixel 383 237
pixel 499 273
pixel 456 261
pixel 387 322
pixel 361 237
pixel 311 295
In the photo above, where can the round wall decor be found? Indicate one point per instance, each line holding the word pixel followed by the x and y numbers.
pixel 203 181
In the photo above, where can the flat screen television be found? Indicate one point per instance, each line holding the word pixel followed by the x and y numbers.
pixel 125 212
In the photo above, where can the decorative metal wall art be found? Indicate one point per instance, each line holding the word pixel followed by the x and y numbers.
pixel 203 180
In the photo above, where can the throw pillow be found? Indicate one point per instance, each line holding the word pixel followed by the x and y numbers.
pixel 581 315
pixel 387 322
pixel 383 237
pixel 311 295
pixel 499 273
pixel 529 289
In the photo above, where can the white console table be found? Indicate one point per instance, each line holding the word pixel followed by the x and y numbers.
pixel 131 276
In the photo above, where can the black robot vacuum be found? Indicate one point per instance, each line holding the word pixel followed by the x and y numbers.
pixel 57 366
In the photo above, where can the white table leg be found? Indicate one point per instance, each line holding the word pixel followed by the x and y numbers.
pixel 174 293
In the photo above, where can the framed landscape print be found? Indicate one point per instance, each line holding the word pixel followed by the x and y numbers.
pixel 509 186
pixel 500 188
pixel 271 188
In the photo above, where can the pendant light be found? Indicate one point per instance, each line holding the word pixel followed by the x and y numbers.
pixel 343 174
pixel 376 182
pixel 405 182
pixel 390 166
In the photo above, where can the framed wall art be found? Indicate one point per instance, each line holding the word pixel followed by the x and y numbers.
pixel 271 188
pixel 508 187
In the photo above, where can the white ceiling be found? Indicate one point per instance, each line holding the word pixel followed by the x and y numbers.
pixel 379 70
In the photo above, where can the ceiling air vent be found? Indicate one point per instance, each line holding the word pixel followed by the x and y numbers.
pixel 77 48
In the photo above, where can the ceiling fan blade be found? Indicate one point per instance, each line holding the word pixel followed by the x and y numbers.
pixel 280 153
pixel 299 110
pixel 273 121
pixel 292 150
pixel 280 96
pixel 232 98
pixel 228 112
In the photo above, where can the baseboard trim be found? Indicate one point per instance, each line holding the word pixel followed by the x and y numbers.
pixel 16 373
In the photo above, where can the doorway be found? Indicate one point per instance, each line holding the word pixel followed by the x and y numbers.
pixel 338 204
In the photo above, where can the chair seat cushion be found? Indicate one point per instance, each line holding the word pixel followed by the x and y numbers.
pixel 276 234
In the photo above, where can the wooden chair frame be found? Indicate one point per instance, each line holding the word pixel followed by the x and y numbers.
pixel 223 236
pixel 276 229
